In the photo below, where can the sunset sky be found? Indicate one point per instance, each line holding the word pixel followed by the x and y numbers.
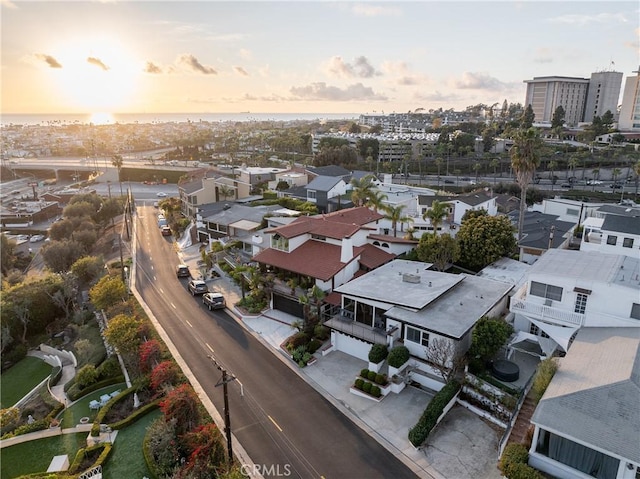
pixel 303 56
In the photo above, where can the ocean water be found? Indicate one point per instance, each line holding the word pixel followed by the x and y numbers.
pixel 125 118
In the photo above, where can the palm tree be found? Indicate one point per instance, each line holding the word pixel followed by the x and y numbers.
pixel 394 213
pixel 615 173
pixel 362 189
pixel 438 212
pixel 552 165
pixel 225 191
pixel 525 158
pixel 376 199
pixel 117 161
pixel 636 170
pixel 439 162
pixel 495 162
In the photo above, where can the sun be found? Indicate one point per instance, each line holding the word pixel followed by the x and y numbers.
pixel 97 74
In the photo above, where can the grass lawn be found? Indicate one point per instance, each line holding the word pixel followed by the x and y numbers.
pixel 71 416
pixel 21 378
pixel 126 458
pixel 35 456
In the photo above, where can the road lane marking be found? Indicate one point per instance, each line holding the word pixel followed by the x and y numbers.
pixel 274 423
pixel 161 290
pixel 191 325
pixel 173 306
pixel 209 346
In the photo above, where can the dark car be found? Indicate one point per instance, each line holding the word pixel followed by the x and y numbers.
pixel 449 182
pixel 616 186
pixel 182 271
pixel 197 286
pixel 566 185
pixel 213 300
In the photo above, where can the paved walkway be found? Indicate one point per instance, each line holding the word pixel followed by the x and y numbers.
pixel 462 447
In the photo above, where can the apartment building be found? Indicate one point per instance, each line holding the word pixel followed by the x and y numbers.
pixel 630 108
pixel 545 94
pixel 603 94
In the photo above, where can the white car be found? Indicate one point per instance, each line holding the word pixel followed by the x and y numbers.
pixel 161 194
pixel 594 182
pixel 36 238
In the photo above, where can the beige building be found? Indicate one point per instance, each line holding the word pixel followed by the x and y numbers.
pixel 545 94
pixel 630 110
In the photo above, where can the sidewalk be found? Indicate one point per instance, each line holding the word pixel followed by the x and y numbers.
pixel 463 447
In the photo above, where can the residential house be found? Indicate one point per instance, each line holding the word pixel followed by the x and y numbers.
pixel 258 175
pixel 232 222
pixel 326 192
pixel 201 191
pixel 323 250
pixel 587 423
pixel 541 232
pixel 459 205
pixel 614 234
pixel 567 290
pixel 404 302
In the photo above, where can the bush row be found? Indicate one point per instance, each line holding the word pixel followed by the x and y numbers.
pixel 368 387
pixel 144 410
pixel 429 418
pixel 76 393
pixel 36 425
pixel 380 379
pixel 513 463
pixel 82 454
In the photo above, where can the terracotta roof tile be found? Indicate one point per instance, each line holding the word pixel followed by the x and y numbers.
pixel 372 257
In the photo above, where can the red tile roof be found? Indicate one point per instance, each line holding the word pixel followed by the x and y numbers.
pixel 316 259
pixel 372 257
pixel 392 239
pixel 339 224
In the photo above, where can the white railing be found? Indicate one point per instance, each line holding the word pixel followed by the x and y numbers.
pixel 548 313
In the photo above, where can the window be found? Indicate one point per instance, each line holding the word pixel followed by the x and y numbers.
pixel 581 303
pixel 533 329
pixel 572 212
pixel 612 240
pixel 635 311
pixel 627 243
pixel 278 242
pixel 311 194
pixel 417 336
pixel 318 237
pixel 546 291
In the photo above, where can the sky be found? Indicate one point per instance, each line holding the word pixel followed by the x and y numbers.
pixel 301 56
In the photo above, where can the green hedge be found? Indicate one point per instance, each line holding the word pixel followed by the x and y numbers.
pixel 144 410
pixel 82 453
pixel 513 463
pixel 398 356
pixel 378 353
pixel 76 393
pixel 419 433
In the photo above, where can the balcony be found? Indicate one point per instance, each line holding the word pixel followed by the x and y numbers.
pixel 345 323
pixel 546 312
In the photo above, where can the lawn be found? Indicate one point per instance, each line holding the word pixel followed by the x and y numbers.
pixel 35 456
pixel 71 416
pixel 126 459
pixel 21 378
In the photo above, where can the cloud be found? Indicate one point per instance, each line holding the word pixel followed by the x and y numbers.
pixel 194 65
pixel 151 67
pixel 246 54
pixel 322 91
pixel 360 68
pixel 402 74
pixel 97 62
pixel 8 4
pixel 241 71
pixel 262 98
pixel 363 10
pixel 436 97
pixel 49 60
pixel 583 20
pixel 478 81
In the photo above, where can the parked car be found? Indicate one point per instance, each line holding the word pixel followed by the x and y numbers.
pixel 449 182
pixel 161 194
pixel 36 238
pixel 182 271
pixel 616 186
pixel 197 286
pixel 594 182
pixel 166 231
pixel 565 185
pixel 213 300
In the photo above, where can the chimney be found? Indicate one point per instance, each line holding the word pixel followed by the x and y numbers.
pixel 346 252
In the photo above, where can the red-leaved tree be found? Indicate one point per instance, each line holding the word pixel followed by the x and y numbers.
pixel 205 447
pixel 182 405
pixel 150 355
pixel 164 374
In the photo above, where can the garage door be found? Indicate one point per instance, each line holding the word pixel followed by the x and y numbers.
pixel 288 305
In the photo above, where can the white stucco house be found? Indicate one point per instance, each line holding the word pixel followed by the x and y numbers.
pixel 613 234
pixel 404 302
pixel 567 290
pixel 587 423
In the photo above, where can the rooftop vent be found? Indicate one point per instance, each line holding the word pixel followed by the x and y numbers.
pixel 410 278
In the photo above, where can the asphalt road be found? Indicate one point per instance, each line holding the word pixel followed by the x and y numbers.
pixel 280 420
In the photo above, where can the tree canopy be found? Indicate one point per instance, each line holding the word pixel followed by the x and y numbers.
pixel 441 250
pixel 485 239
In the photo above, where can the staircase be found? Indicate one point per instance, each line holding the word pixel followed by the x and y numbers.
pixel 519 431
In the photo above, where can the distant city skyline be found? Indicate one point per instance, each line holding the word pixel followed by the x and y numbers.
pixel 301 57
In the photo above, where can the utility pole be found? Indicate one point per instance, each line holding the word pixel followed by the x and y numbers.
pixel 226 378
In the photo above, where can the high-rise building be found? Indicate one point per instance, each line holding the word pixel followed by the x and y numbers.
pixel 603 94
pixel 630 110
pixel 545 94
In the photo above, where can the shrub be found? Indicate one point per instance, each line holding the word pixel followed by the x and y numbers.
pixel 375 391
pixel 371 375
pixel 544 374
pixel 378 353
pixel 513 454
pixel 488 336
pixel 366 387
pixel 429 418
pixel 364 373
pixel 109 368
pixel 314 345
pixel 359 383
pixel 87 375
pixel 381 379
pixel 321 332
pixel 297 340
pixel 398 356
pixel 523 471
